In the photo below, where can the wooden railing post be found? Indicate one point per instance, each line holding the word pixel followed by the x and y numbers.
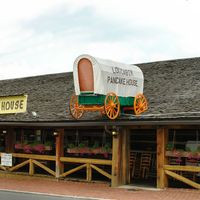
pixel 59 152
pixel 31 167
pixel 162 137
pixel 89 172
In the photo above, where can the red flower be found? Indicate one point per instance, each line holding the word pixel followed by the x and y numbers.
pixel 18 146
pixel 40 148
pixel 28 148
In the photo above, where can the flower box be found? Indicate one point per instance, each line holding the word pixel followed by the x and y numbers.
pixel 48 148
pixel 86 150
pixel 32 148
pixel 79 150
pixel 185 154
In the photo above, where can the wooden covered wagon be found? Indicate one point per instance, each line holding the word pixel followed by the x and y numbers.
pixel 106 86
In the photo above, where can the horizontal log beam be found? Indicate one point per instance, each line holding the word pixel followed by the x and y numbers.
pixel 182 168
pixel 34 156
pixel 183 179
pixel 86 160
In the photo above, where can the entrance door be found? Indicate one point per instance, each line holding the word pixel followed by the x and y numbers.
pixel 143 157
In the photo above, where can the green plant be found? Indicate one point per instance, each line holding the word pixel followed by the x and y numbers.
pixel 71 146
pixel 48 143
pixel 180 150
pixel 35 143
pixel 81 145
pixel 198 148
pixel 25 142
pixel 188 149
pixel 169 147
pixel 96 145
pixel 107 147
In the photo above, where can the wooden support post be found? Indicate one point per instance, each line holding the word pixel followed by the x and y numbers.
pixel 31 167
pixel 9 140
pixel 116 160
pixel 59 152
pixel 89 172
pixel 125 156
pixel 162 137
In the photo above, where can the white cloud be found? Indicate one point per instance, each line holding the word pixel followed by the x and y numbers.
pixel 34 41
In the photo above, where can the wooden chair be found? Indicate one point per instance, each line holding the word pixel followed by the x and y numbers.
pixel 145 164
pixel 133 158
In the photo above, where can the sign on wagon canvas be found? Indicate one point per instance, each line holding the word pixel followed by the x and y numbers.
pixel 13 104
pixel 6 159
pixel 124 80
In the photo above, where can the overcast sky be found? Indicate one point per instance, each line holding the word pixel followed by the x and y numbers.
pixel 45 36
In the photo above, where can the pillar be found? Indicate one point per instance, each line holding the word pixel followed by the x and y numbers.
pixel 10 138
pixel 162 137
pixel 125 156
pixel 116 159
pixel 59 152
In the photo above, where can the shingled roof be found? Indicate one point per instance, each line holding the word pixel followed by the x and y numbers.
pixel 171 87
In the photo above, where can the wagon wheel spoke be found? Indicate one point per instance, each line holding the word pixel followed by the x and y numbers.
pixel 112 105
pixel 109 111
pixel 140 104
pixel 144 105
pixel 75 108
pixel 116 106
pixel 108 107
pixel 114 99
pixel 114 112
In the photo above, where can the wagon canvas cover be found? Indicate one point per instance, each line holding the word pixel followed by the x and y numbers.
pixel 110 76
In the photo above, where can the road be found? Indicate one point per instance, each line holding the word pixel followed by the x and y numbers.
pixel 9 195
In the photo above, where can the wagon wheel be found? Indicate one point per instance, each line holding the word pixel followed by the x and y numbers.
pixel 75 108
pixel 140 104
pixel 112 105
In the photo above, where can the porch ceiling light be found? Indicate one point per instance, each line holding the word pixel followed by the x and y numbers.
pixel 114 133
pixel 34 114
pixel 55 133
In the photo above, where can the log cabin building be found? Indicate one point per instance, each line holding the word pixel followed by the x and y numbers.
pixel 161 147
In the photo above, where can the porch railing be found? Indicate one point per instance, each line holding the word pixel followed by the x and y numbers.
pixel 32 160
pixel 89 164
pixel 171 170
pixel 35 160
